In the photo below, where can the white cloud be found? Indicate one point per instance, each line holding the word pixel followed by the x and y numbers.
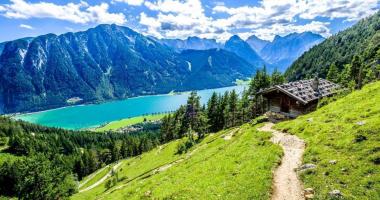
pixel 351 10
pixel 269 32
pixel 26 26
pixel 80 13
pixel 179 19
pixel 131 2
pixel 69 29
pixel 273 17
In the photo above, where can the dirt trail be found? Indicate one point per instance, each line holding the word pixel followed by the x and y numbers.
pixel 109 174
pixel 286 185
pixel 91 177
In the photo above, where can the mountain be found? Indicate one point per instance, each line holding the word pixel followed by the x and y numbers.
pixel 1 47
pixel 361 39
pixel 102 63
pixel 241 48
pixel 256 43
pixel 282 51
pixel 195 43
pixel 215 67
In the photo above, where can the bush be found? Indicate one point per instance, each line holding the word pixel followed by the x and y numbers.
pixel 184 146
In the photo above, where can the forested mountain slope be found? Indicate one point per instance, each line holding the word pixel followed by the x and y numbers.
pixel 343 143
pixel 363 39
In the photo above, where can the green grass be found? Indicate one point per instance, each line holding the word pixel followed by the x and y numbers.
pixel 128 122
pixel 239 168
pixel 95 178
pixel 333 133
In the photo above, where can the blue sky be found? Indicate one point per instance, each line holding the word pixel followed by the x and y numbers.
pixel 183 18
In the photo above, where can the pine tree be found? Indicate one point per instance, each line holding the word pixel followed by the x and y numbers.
pixel 277 78
pixel 222 107
pixel 333 74
pixel 260 81
pixel 243 107
pixel 192 113
pixel 232 108
pixel 345 76
pixel 212 112
pixel 357 70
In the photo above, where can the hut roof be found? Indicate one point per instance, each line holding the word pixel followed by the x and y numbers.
pixel 303 90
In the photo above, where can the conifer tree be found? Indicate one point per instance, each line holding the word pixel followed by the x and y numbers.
pixel 277 78
pixel 193 109
pixel 222 107
pixel 333 74
pixel 243 107
pixel 357 70
pixel 232 109
pixel 212 112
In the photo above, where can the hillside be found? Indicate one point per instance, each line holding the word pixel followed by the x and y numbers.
pixel 361 39
pixel 343 142
pixel 232 164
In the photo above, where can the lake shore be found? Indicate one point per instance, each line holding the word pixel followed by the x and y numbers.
pixel 92 116
pixel 173 92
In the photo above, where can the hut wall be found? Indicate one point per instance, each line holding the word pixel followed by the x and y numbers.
pixel 275 104
pixel 295 109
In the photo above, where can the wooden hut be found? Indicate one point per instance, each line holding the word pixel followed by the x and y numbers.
pixel 299 97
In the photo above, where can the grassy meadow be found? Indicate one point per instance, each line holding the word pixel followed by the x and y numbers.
pixel 343 141
pixel 115 125
pixel 232 164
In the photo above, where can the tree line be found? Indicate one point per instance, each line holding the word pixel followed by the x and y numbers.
pixel 222 111
pixel 355 74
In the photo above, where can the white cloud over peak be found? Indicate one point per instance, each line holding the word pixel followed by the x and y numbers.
pixel 26 26
pixel 81 13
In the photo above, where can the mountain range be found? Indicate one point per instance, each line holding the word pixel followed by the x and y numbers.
pixel 194 43
pixel 283 51
pixel 103 63
pixel 114 62
pixel 279 53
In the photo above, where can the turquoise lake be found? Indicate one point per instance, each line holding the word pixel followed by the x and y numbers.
pixel 93 115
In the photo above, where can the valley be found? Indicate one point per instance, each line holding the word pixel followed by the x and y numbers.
pixel 95 115
pixel 190 99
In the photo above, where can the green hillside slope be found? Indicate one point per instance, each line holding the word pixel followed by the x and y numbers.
pixel 362 39
pixel 232 164
pixel 343 141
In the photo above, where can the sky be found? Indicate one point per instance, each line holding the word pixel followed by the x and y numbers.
pixel 216 19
